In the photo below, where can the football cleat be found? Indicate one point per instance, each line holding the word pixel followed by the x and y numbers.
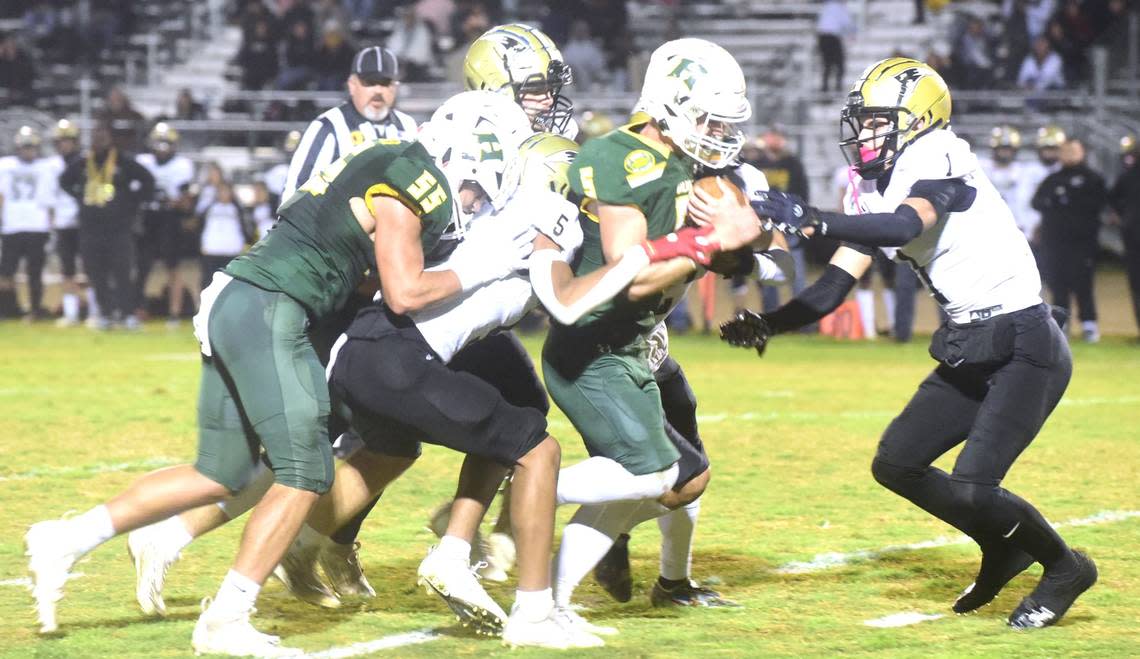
pixel 613 572
pixel 480 548
pixel 455 581
pixel 298 572
pixel 152 560
pixel 341 564
pixel 550 632
pixel 50 560
pixel 999 566
pixel 567 617
pixel 217 633
pixel 1054 594
pixel 687 593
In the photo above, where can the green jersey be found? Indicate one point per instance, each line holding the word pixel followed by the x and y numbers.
pixel 318 252
pixel 624 169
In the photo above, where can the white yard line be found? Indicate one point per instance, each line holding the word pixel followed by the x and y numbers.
pixel 383 643
pixel 837 559
pixel 902 619
pixel 27 582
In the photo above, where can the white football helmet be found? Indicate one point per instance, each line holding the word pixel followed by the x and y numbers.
pixel 475 136
pixel 695 91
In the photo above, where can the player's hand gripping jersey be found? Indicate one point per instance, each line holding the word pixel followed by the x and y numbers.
pixel 318 251
pixel 974 261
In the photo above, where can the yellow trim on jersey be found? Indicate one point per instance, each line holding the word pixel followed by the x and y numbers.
pixel 648 176
pixel 385 190
pixel 640 119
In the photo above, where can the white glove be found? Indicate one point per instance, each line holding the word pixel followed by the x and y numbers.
pixel 491 250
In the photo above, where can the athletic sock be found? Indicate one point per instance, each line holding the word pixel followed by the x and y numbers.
pixel 92 529
pixel 236 596
pixel 865 298
pixel 454 547
pixel 172 532
pixel 70 304
pixel 599 480
pixel 889 307
pixel 533 605
pixel 346 535
pixel 585 540
pixel 677 530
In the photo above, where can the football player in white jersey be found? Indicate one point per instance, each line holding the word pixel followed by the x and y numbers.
pixel 1005 363
pixel 65 221
pixel 1048 142
pixel 28 188
pixel 1004 171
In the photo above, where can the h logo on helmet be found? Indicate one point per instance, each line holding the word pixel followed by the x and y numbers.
pixel 489 147
pixel 687 71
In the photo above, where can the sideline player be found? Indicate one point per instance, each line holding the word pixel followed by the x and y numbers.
pixel 28 192
pixel 1004 361
pixel 65 222
pixel 380 207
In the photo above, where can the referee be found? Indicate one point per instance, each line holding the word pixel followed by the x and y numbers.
pixel 367 115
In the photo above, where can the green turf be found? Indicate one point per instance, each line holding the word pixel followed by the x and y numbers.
pixel 790 437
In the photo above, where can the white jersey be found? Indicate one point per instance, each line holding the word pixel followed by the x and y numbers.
pixel 263 219
pixel 66 207
pixel 450 326
pixel 29 192
pixel 1032 175
pixel 976 263
pixel 221 231
pixel 171 177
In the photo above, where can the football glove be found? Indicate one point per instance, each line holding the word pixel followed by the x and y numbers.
pixel 747 329
pixel 789 213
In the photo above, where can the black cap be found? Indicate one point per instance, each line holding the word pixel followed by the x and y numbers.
pixel 376 63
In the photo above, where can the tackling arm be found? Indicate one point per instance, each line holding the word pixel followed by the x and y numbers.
pixel 623 227
pixel 567 298
pixel 404 283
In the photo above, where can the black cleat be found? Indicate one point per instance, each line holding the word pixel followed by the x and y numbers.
pixel 1054 594
pixel 612 572
pixel 999 566
pixel 686 593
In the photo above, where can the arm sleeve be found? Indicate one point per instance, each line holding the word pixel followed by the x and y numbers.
pixel 814 302
pixel 873 229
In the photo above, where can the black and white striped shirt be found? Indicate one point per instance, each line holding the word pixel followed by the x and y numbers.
pixel 335 132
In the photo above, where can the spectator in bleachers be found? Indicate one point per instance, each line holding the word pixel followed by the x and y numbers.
pixel 261 212
pixel 334 57
pixel 1069 50
pixel 437 14
pixel 1071 201
pixel 108 19
pixel 185 107
pixel 225 232
pixel 475 22
pixel 972 55
pixel 1012 44
pixel 253 12
pixel 833 25
pixel 127 124
pixel 293 11
pixel 163 236
pixel 1042 69
pixel 1125 201
pixel 585 57
pixel 326 12
pixel 258 55
pixel 1113 29
pixel 298 54
pixel 110 186
pixel 1037 15
pixel 359 12
pixel 412 41
pixel 17 72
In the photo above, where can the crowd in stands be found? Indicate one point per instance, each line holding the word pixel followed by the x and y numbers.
pixel 1033 45
pixel 307 44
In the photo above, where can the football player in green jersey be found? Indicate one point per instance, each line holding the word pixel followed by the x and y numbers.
pixel 636 183
pixel 381 206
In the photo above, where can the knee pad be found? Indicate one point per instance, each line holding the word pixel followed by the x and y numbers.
pixel 894 477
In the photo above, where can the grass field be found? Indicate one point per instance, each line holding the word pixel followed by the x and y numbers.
pixel 790 438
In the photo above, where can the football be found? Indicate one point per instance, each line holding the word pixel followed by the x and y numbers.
pixel 709 185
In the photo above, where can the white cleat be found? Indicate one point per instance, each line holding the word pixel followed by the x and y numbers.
pixel 234 636
pixel 550 632
pixel 152 559
pixel 341 564
pixel 50 559
pixel 455 581
pixel 499 553
pixel 570 618
pixel 298 572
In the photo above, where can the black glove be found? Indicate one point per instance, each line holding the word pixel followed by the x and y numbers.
pixel 788 212
pixel 747 329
